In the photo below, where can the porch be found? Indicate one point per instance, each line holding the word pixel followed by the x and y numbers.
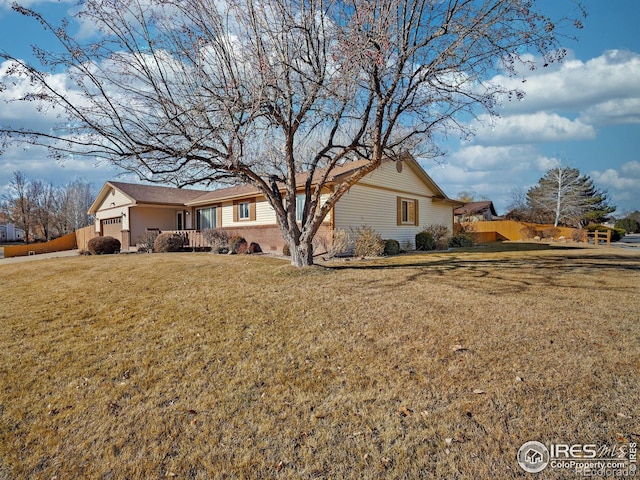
pixel 193 239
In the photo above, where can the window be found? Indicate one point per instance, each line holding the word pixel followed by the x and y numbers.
pixel 205 218
pixel 300 198
pixel 244 210
pixel 407 211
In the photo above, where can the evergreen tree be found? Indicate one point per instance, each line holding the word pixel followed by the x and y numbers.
pixel 564 196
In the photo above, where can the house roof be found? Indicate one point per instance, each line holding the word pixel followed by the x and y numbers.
pixel 338 174
pixel 153 194
pixel 247 190
pixel 475 207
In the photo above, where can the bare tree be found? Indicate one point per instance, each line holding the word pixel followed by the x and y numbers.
pixel 73 202
pixel 568 198
pixel 19 204
pixel 279 94
pixel 43 196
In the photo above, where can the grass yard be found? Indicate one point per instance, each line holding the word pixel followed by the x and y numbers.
pixel 418 366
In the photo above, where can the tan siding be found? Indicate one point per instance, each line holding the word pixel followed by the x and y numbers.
pixel 264 215
pixel 387 176
pixel 374 203
pixel 116 197
pixel 114 205
pixel 150 217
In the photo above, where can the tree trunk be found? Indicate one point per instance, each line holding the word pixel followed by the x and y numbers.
pixel 301 254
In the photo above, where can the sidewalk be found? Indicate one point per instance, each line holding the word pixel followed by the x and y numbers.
pixel 42 256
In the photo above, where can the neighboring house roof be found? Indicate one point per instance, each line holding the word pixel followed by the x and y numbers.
pixel 472 208
pixel 153 194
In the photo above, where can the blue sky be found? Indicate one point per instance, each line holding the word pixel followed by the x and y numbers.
pixel 584 113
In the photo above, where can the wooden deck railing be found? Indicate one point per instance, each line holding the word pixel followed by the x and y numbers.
pixel 193 238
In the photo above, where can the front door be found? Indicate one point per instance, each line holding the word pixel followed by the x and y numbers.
pixel 181 221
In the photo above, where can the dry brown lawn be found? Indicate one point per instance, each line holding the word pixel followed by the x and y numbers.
pixel 418 366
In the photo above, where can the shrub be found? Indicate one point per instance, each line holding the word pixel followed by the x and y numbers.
pixel 579 235
pixel 234 241
pixel 254 248
pixel 342 243
pixel 367 242
pixel 391 247
pixel 629 225
pixel 238 244
pixel 168 242
pixel 103 245
pixel 243 247
pixel 146 240
pixel 529 232
pixel 424 241
pixel 616 233
pixel 551 232
pixel 218 239
pixel 462 240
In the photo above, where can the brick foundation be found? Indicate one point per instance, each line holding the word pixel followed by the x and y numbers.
pixel 270 239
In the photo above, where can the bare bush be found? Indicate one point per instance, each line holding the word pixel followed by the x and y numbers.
pixel 440 235
pixel 529 232
pixel 218 238
pixel 168 242
pixel 550 233
pixel 342 243
pixel 146 240
pixel 367 242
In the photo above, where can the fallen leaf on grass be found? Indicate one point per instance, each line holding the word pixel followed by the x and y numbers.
pixel 478 391
pixel 405 412
pixel 459 348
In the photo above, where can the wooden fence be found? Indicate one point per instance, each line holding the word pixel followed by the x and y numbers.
pixel 66 242
pixel 83 235
pixel 512 230
pixel 600 236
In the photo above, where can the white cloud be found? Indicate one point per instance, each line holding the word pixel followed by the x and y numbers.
pixel 577 85
pixel 612 112
pixel 627 177
pixel 491 171
pixel 567 102
pixel 534 128
pixel 622 185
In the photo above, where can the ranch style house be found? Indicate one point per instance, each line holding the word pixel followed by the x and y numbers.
pixel 398 200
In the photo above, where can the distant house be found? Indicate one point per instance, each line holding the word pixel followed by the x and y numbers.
pixel 397 200
pixel 10 233
pixel 475 212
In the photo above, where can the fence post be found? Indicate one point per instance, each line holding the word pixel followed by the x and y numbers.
pixel 595 238
pixel 608 238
